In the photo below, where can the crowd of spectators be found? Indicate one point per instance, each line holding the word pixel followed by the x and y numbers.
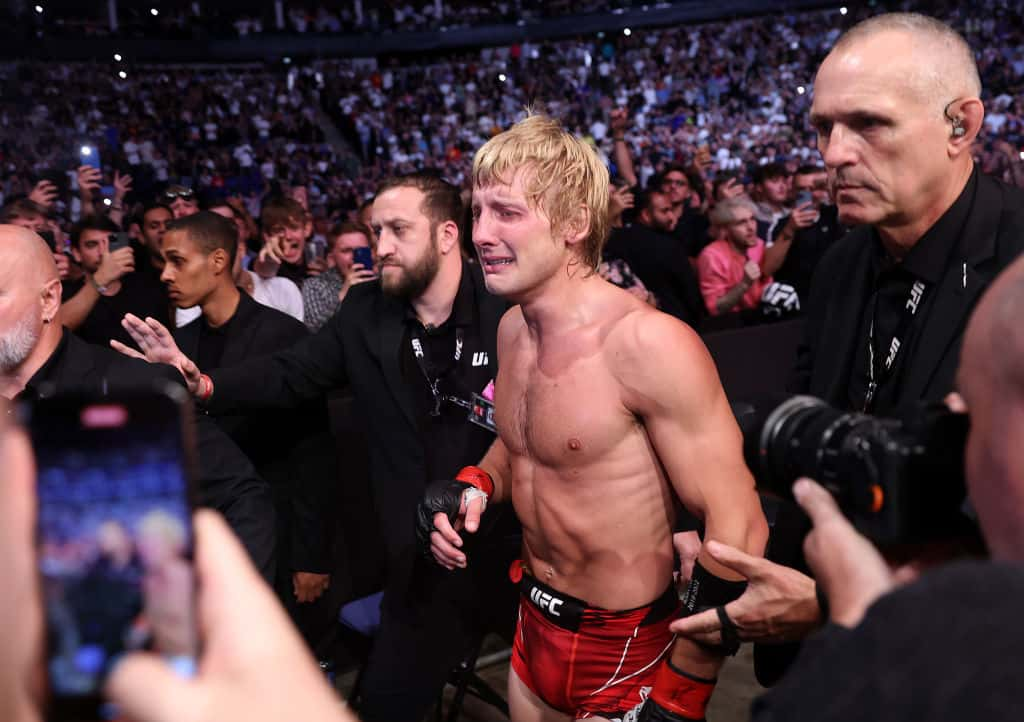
pixel 195 19
pixel 725 104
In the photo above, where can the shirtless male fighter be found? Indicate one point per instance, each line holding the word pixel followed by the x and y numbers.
pixel 605 408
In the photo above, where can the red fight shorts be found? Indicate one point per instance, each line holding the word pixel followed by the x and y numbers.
pixel 583 660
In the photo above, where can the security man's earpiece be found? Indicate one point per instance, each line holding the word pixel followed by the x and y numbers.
pixel 958 124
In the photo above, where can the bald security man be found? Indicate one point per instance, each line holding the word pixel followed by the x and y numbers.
pixel 896 108
pixel 944 648
pixel 40 358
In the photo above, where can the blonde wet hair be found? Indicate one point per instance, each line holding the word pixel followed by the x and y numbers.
pixel 564 178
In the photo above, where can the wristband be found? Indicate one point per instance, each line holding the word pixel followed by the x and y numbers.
pixel 205 390
pixel 677 692
pixel 99 289
pixel 475 476
pixel 619 138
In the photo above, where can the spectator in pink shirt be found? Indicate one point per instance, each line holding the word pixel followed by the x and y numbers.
pixel 729 269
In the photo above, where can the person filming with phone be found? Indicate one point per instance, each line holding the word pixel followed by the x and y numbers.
pixel 112 286
pixel 351 263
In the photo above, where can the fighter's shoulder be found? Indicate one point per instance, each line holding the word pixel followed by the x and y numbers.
pixel 660 344
pixel 511 324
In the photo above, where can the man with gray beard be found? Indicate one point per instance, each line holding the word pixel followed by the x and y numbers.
pixel 39 358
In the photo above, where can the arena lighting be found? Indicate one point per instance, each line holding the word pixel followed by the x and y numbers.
pixel 794 45
pixel 106 201
pixel 1022 155
pixel 122 75
pixel 154 12
pixel 117 57
pixel 39 8
pixel 286 61
pixel 843 10
pixel 627 32
pixel 801 89
pixel 86 150
pixel 501 77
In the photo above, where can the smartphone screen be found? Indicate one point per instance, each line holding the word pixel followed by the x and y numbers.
pixel 364 256
pixel 114 539
pixel 89 155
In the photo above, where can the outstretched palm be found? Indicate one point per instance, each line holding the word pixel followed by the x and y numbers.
pixel 157 346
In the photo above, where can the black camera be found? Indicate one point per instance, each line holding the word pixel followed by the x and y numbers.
pixel 898 480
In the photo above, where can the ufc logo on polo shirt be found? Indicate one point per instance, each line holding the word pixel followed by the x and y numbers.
pixel 545 601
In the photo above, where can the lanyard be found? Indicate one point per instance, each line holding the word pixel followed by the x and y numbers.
pixel 420 350
pixel 879 376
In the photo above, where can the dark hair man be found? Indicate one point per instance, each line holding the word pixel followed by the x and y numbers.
pixel 889 301
pixel 657 258
pixel 152 226
pixel 770 192
pixel 804 236
pixel 199 252
pixel 112 286
pixel 416 347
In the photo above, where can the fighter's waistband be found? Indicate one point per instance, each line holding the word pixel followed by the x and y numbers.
pixel 571 614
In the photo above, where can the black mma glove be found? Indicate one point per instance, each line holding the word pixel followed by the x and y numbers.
pixel 444 496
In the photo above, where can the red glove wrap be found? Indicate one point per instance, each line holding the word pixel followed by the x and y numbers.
pixel 475 476
pixel 681 694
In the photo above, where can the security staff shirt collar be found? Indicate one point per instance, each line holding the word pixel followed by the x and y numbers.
pixel 39 386
pixel 929 258
pixel 463 309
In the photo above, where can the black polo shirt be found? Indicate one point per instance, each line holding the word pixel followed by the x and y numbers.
pixel 38 386
pixel 448 437
pixel 889 292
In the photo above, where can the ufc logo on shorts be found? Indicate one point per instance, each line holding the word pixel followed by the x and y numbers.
pixel 546 602
pixel 480 358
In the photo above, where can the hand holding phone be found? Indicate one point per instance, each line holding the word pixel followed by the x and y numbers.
pixel 363 256
pixel 89 155
pixel 118 240
pixel 114 537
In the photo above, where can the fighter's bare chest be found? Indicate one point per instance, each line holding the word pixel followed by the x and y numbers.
pixel 558 411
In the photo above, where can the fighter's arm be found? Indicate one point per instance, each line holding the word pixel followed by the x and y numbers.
pixel 670 382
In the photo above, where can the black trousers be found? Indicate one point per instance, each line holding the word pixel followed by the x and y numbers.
pixel 431 621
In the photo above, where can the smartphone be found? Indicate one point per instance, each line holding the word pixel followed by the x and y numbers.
pixel 119 240
pixel 364 256
pixel 89 155
pixel 114 537
pixel 803 198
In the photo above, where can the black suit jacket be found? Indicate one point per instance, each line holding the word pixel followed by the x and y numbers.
pixel 360 346
pixel 993 237
pixel 226 479
pixel 290 449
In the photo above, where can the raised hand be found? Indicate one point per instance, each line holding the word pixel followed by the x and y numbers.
pixel 157 346
pixel 44 193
